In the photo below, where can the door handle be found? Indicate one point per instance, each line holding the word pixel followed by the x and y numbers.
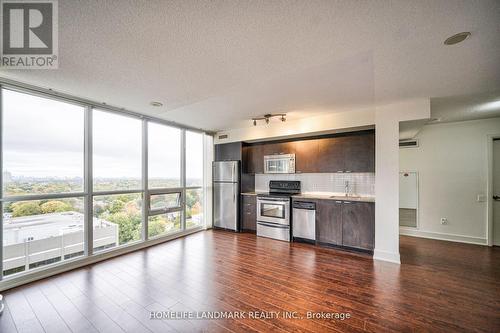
pixel 496 198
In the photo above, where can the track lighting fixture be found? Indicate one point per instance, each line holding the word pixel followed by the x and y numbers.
pixel 268 116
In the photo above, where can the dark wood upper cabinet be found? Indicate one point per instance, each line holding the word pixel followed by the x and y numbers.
pixel 254 159
pixel 359 153
pixel 276 148
pixel 329 222
pixel 358 225
pixel 331 154
pixel 306 156
pixel 350 153
pixel 228 151
pixel 353 152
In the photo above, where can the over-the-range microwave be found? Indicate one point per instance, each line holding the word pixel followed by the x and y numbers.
pixel 283 163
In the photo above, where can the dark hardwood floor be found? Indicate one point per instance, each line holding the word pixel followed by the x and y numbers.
pixel 440 286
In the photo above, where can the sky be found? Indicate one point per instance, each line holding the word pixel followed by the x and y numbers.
pixel 45 138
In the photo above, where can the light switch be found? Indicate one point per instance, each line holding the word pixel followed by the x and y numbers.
pixel 481 198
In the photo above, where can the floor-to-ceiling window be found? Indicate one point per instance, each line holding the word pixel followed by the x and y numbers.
pixel 194 179
pixel 42 181
pixel 165 180
pixel 78 180
pixel 117 179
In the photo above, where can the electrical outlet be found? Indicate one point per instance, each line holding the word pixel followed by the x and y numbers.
pixel 444 220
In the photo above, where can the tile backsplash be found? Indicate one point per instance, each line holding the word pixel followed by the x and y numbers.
pixel 360 183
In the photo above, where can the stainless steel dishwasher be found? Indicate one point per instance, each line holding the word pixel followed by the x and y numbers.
pixel 304 221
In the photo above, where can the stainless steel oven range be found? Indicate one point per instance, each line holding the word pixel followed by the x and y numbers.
pixel 273 209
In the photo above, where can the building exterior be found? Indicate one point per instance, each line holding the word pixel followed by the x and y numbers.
pixel 38 240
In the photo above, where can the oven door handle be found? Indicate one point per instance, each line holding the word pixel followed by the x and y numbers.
pixel 272 225
pixel 273 201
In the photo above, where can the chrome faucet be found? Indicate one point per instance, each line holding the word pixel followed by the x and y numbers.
pixel 347 188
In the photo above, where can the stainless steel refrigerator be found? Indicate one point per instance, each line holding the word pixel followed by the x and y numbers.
pixel 226 178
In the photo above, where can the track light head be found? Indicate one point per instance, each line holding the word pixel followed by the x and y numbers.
pixel 255 122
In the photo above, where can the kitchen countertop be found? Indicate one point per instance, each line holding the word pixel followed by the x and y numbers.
pixel 334 197
pixel 322 196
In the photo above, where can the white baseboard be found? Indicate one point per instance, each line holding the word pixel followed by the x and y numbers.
pixel 443 236
pixel 386 256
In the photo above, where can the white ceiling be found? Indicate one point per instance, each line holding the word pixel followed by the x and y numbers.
pixel 215 64
pixel 466 107
pixel 455 108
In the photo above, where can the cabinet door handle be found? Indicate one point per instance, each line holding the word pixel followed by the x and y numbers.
pixel 347 171
pixel 347 202
pixel 338 201
pixel 340 171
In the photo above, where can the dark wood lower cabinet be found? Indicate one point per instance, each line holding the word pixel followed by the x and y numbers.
pixel 328 222
pixel 345 223
pixel 358 225
pixel 248 213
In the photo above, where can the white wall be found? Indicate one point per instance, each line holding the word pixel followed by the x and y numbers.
pixel 355 119
pixel 387 120
pixel 452 166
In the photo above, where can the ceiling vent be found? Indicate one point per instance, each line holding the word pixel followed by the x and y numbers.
pixel 223 136
pixel 408 143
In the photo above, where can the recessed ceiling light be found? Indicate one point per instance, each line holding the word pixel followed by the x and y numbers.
pixel 457 38
pixel 156 104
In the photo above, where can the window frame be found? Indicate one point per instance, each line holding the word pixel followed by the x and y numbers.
pixel 157 211
pixel 88 193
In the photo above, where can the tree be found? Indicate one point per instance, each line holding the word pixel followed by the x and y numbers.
pixel 196 209
pixel 26 208
pixel 129 226
pixel 8 207
pixel 116 206
pixel 156 226
pixel 55 206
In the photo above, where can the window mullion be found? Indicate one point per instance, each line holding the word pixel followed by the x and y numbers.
pixel 89 182
pixel 183 178
pixel 145 185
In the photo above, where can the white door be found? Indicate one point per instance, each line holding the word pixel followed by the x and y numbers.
pixel 408 190
pixel 496 192
pixel 408 199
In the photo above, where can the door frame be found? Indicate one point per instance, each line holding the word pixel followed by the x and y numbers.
pixel 489 186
